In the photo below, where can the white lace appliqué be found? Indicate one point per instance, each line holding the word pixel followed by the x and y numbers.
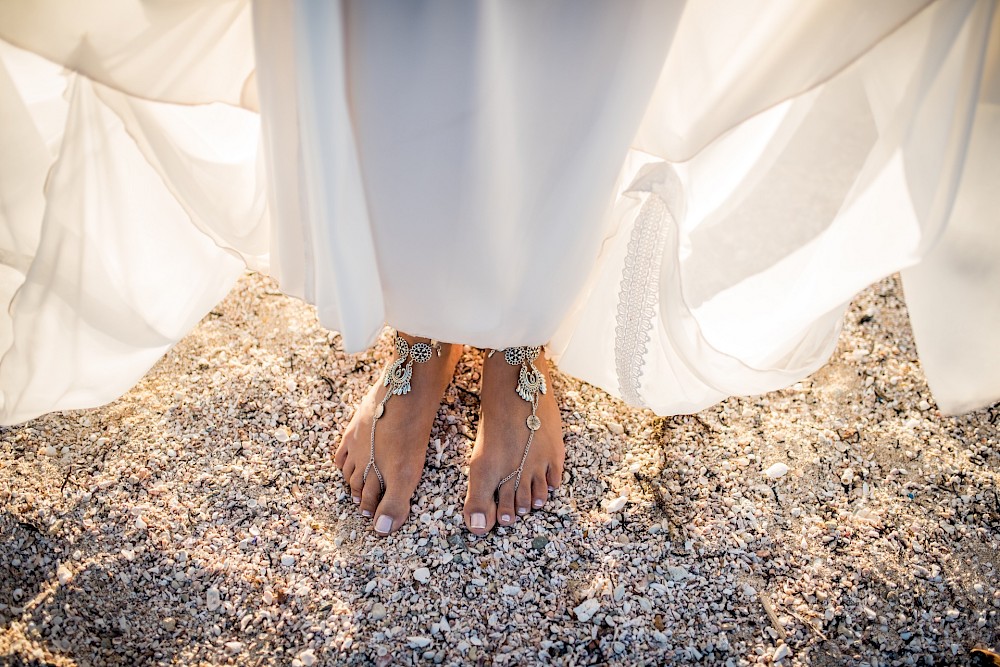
pixel 639 293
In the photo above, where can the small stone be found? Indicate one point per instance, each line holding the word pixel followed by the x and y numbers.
pixel 847 477
pixel 678 573
pixel 282 434
pixel 212 598
pixel 51 451
pixel 538 543
pixel 307 658
pixel 951 614
pixel 169 623
pixel 617 504
pixel 618 648
pixel 777 470
pixel 234 647
pixel 64 574
pixel 615 428
pixel 511 589
pixel 422 574
pixel 268 596
pixel 378 612
pixel 419 642
pixel 140 523
pixel 781 653
pixel 586 609
pixel 287 560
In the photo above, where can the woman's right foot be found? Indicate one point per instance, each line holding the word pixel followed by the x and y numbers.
pixel 401 437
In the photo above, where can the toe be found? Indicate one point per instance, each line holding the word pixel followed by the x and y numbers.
pixel 371 494
pixel 553 476
pixel 523 496
pixel 391 513
pixel 480 508
pixel 505 504
pixel 348 475
pixel 357 484
pixel 539 491
pixel 340 458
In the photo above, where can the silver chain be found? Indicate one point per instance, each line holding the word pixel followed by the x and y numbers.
pixel 530 383
pixel 397 378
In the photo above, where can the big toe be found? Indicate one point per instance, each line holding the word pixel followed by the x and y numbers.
pixel 391 513
pixel 480 506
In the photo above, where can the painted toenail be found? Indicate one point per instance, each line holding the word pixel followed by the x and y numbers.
pixel 552 489
pixel 522 510
pixel 356 499
pixel 505 518
pixel 383 524
pixel 366 513
pixel 478 520
pixel 538 502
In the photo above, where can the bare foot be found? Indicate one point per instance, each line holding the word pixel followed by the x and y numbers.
pixel 499 447
pixel 401 438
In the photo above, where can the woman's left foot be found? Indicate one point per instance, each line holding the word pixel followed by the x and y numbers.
pixel 499 448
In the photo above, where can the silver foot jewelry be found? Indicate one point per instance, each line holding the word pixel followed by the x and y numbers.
pixel 530 383
pixel 397 378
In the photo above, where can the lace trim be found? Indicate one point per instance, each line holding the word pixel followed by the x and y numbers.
pixel 638 296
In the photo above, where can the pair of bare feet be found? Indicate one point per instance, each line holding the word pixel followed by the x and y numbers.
pixel 403 431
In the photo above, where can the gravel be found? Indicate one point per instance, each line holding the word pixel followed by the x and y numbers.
pixel 199 519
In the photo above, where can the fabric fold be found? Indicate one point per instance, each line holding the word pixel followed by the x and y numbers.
pixel 685 218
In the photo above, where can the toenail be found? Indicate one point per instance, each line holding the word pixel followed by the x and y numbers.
pixel 478 520
pixel 505 518
pixel 366 513
pixel 356 499
pixel 538 502
pixel 552 489
pixel 383 524
pixel 522 510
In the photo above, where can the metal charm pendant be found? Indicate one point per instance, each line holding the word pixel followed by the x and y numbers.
pixel 534 423
pixel 397 378
pixel 530 383
pixel 421 352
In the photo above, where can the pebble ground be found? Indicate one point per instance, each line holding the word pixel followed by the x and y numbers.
pixel 199 520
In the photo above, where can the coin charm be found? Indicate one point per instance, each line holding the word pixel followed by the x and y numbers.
pixel 534 423
pixel 420 352
pixel 514 356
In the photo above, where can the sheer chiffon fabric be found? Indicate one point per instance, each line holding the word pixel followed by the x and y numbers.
pixel 680 198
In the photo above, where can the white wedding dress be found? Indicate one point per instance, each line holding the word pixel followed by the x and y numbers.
pixel 681 198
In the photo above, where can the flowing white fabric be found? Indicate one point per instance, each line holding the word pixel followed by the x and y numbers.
pixel 681 198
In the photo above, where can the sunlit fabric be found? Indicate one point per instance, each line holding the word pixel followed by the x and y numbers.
pixel 679 198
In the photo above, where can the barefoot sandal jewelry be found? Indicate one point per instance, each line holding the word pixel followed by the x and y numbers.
pixel 530 382
pixel 397 378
